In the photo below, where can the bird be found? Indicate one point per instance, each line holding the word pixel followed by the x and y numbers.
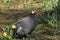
pixel 25 26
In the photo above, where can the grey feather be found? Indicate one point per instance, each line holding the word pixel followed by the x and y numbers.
pixel 28 24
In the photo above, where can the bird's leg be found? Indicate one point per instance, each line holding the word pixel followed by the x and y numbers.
pixel 23 38
pixel 18 39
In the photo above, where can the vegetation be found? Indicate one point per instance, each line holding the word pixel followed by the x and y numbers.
pixel 48 12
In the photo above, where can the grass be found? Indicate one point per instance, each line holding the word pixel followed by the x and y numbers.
pixel 38 33
pixel 7 33
pixel 8 30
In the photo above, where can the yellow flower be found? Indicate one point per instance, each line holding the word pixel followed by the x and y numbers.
pixel 5 34
pixel 13 27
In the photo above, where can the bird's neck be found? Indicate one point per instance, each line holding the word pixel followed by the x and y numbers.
pixel 32 16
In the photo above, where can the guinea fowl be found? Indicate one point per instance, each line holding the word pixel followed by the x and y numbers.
pixel 25 26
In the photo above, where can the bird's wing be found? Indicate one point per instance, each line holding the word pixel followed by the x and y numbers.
pixel 19 29
pixel 18 22
pixel 21 20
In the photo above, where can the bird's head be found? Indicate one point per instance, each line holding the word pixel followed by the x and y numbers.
pixel 33 12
